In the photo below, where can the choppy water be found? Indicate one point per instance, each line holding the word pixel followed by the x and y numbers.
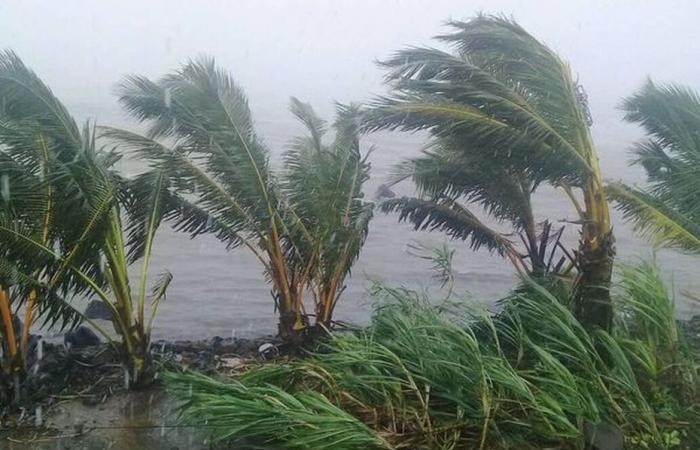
pixel 219 292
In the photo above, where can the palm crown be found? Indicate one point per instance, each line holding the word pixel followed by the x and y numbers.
pixel 506 115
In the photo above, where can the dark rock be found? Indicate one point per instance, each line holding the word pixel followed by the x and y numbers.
pixel 81 337
pixel 96 309
pixel 603 436
pixel 383 191
pixel 216 342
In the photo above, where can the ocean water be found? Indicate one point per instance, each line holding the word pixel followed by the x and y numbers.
pixel 219 292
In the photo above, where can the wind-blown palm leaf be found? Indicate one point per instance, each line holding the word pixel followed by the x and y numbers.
pixel 208 115
pixel 655 219
pixel 669 210
pixel 27 98
pixel 446 215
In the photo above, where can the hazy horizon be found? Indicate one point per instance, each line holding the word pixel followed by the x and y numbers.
pixel 322 51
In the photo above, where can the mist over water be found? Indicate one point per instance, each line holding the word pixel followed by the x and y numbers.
pixel 323 51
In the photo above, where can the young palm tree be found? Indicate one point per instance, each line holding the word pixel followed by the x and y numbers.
pixel 669 210
pixel 62 221
pixel 323 187
pixel 305 228
pixel 505 98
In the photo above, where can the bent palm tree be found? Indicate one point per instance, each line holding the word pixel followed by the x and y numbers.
pixel 504 98
pixel 291 224
pixel 669 211
pixel 68 176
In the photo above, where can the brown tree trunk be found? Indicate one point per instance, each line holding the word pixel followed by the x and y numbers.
pixel 592 303
pixel 292 322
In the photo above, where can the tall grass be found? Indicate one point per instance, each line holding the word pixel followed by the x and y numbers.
pixel 426 376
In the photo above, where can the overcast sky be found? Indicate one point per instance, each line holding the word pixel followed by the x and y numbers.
pixel 320 50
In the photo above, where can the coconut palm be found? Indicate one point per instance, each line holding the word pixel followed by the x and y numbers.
pixel 669 210
pixel 506 100
pixel 62 220
pixel 305 227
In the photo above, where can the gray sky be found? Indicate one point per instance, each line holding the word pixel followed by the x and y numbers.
pixel 322 49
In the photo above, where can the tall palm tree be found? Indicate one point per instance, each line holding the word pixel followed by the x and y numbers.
pixel 62 220
pixel 669 210
pixel 305 227
pixel 504 97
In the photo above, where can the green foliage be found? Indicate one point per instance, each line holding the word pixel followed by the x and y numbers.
pixel 269 414
pixel 306 225
pixel 668 211
pixel 505 115
pixel 62 220
pixel 449 376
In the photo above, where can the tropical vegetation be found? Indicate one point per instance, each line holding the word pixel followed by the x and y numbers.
pixel 306 225
pixel 668 211
pixel 506 115
pixel 62 223
pixel 427 375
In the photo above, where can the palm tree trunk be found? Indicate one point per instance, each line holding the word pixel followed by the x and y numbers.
pixel 596 255
pixel 26 329
pixel 8 324
pixel 592 303
pixel 292 322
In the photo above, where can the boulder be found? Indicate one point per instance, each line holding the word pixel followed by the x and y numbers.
pixel 81 337
pixel 96 309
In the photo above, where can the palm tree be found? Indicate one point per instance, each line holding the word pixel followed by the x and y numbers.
pixel 504 98
pixel 62 225
pixel 305 228
pixel 669 210
pixel 323 187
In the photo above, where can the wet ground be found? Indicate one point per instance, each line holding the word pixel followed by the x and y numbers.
pixel 127 421
pixel 77 399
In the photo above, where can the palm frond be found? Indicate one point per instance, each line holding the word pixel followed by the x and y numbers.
pixel 669 209
pixel 655 219
pixel 447 215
